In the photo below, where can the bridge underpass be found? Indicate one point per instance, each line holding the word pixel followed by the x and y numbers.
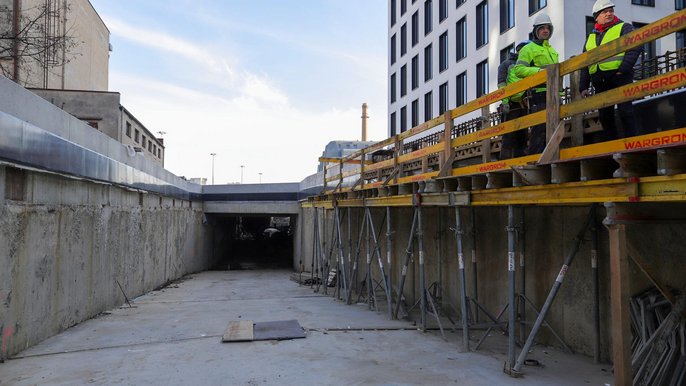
pixel 253 225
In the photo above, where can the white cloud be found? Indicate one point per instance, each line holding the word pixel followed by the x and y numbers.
pixel 165 42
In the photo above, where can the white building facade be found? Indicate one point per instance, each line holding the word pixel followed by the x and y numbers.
pixel 444 53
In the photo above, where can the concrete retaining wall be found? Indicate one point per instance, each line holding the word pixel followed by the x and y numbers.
pixel 68 245
pixel 549 237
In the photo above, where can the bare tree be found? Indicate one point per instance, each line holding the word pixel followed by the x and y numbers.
pixel 34 42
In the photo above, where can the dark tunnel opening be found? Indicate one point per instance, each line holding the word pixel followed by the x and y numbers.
pixel 252 242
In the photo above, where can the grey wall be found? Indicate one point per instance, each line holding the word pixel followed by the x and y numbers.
pixel 68 243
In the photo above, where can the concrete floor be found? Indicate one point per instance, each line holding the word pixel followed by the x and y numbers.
pixel 172 337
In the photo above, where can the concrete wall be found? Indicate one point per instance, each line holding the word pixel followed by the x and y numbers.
pixel 68 244
pixel 549 237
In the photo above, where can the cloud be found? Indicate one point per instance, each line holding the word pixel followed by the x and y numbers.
pixel 278 140
pixel 165 42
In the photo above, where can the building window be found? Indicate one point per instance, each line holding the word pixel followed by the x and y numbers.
pixel 403 7
pixel 403 80
pixel 159 153
pixel 403 40
pixel 461 89
pixel 461 39
pixel 150 146
pixel 442 10
pixel 393 88
pixel 507 20
pixel 428 62
pixel 443 52
pixel 415 72
pixel 393 125
pixel 144 142
pixel 428 15
pixel 128 129
pixel 681 39
pixel 393 49
pixel 415 28
pixel 458 3
pixel 590 24
pixel 482 78
pixel 679 4
pixel 415 113
pixel 443 98
pixel 136 136
pixel 403 119
pixel 482 24
pixel 505 52
pixel 647 3
pixel 154 149
pixel 428 107
pixel 535 5
pixel 393 12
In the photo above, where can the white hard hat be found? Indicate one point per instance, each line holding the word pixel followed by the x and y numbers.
pixel 542 19
pixel 602 4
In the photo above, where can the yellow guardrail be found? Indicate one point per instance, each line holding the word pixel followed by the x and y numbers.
pixel 552 117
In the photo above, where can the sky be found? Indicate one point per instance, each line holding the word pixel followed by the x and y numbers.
pixel 262 83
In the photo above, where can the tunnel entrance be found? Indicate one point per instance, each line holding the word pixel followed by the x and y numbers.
pixel 252 241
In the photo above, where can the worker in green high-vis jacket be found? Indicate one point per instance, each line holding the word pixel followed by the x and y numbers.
pixel 612 72
pixel 534 57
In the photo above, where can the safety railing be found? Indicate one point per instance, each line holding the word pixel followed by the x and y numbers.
pixel 386 162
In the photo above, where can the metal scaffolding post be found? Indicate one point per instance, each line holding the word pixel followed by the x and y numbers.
pixel 389 254
pixel 422 279
pixel 553 291
pixel 341 282
pixel 463 280
pixel 382 271
pixel 315 231
pixel 350 250
pixel 596 290
pixel 511 264
pixel 371 297
pixel 475 291
pixel 355 263
pixel 522 277
pixel 406 261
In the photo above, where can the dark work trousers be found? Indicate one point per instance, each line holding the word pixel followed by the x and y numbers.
pixel 537 140
pixel 607 114
pixel 513 144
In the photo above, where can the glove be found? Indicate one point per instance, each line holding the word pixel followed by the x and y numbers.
pixel 585 93
pixel 505 108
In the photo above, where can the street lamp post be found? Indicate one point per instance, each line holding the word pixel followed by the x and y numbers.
pixel 242 166
pixel 213 154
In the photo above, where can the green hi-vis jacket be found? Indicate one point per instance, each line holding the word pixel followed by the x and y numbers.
pixel 611 63
pixel 532 58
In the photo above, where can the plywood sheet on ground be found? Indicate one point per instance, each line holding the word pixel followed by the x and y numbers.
pixel 239 331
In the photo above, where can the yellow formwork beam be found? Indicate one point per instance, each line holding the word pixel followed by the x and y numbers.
pixel 645 189
pixel 614 190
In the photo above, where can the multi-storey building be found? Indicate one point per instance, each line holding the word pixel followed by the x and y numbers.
pixel 443 53
pixel 60 50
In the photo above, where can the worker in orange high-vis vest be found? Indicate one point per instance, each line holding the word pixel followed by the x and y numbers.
pixel 612 72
